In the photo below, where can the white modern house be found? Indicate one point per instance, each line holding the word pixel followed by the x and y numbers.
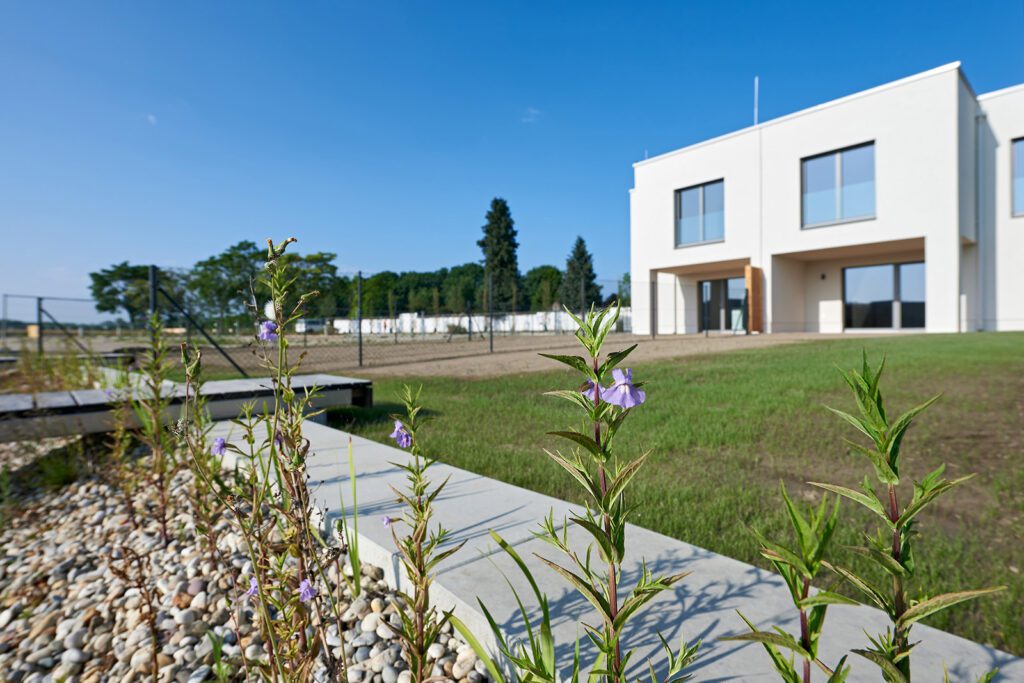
pixel 896 208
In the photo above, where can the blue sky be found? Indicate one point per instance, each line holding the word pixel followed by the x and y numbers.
pixel 164 132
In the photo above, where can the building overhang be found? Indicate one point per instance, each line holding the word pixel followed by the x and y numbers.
pixel 912 246
pixel 710 270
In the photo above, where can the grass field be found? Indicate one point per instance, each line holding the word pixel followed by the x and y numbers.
pixel 725 429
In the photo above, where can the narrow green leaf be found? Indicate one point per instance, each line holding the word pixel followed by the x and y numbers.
pixel 941 602
pixel 885 473
pixel 800 525
pixel 623 478
pixel 923 498
pixel 870 502
pixel 876 596
pixel 582 439
pixel 576 397
pixel 776 639
pixel 885 560
pixel 579 474
pixel 858 423
pixel 575 362
pixel 607 550
pixel 613 360
pixel 478 648
pixel 825 598
pixel 901 425
pixel 585 589
pixel 890 671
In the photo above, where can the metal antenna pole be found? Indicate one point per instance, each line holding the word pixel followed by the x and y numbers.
pixel 757 83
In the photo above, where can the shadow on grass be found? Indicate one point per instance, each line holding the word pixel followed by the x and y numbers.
pixel 379 415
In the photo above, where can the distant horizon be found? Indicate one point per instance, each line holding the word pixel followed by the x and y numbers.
pixel 381 133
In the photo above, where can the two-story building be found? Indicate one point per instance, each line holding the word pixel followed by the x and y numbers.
pixel 896 208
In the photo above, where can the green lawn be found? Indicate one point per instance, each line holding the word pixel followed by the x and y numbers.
pixel 724 430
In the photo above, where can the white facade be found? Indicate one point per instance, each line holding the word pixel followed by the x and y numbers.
pixel 942 195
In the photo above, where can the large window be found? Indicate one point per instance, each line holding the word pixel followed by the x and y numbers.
pixel 889 295
pixel 838 186
pixel 700 213
pixel 1018 177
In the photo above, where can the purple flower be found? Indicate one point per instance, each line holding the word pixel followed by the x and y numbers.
pixel 220 447
pixel 622 393
pixel 588 390
pixel 253 588
pixel 401 436
pixel 386 521
pixel 268 330
pixel 278 440
pixel 306 591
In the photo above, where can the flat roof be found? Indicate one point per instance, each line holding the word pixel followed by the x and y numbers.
pixel 952 66
pixel 1002 91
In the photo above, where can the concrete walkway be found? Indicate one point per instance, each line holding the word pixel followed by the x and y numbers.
pixel 703 606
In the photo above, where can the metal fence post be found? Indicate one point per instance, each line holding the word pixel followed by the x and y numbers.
pixel 3 326
pixel 152 290
pixel 490 309
pixel 152 299
pixel 583 297
pixel 654 307
pixel 39 325
pixel 359 314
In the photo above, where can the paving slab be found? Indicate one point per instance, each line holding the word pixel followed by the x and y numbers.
pixel 703 606
pixel 85 411
pixel 15 402
pixel 49 400
pixel 469 506
pixel 91 398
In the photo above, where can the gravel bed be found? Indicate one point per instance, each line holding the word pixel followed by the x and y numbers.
pixel 66 615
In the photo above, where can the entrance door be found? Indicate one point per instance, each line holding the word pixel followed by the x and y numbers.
pixel 723 305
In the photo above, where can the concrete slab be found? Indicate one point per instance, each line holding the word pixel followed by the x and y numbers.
pixel 49 400
pixel 701 607
pixel 12 403
pixel 85 411
pixel 92 398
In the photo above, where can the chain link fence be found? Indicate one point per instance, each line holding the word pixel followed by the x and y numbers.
pixel 362 326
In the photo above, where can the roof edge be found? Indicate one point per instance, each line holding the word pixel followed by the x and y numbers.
pixel 945 68
pixel 1009 90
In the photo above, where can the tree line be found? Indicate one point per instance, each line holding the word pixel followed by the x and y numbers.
pixel 222 289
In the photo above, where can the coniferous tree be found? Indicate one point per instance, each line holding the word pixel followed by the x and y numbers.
pixel 580 279
pixel 499 247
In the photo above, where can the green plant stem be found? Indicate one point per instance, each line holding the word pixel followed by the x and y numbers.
pixel 805 636
pixel 613 599
pixel 900 635
pixel 275 661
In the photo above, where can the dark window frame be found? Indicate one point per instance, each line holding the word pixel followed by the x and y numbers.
pixel 1013 178
pixel 896 289
pixel 838 153
pixel 677 206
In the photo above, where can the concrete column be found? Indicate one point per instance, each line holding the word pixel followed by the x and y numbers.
pixel 942 281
